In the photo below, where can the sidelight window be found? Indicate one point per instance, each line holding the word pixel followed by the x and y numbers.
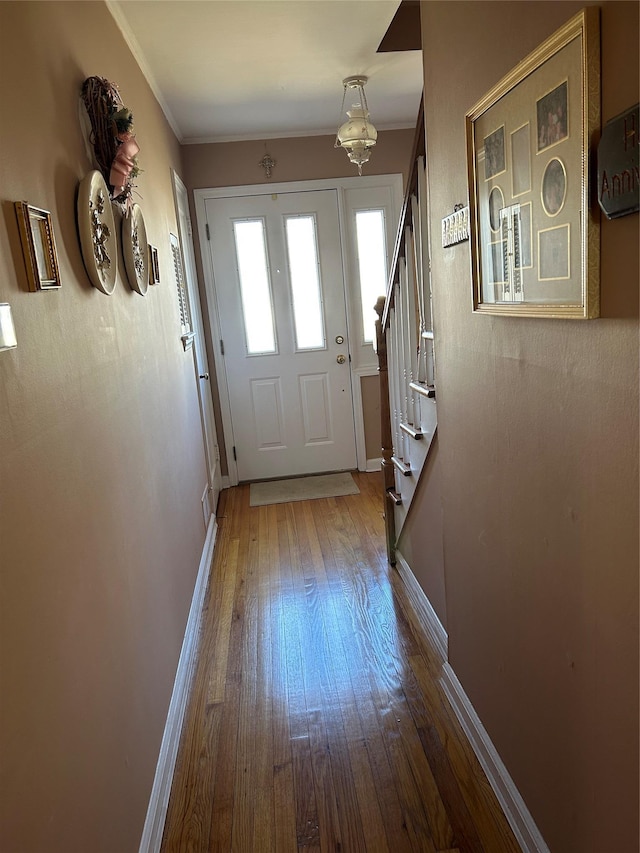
pixel 372 265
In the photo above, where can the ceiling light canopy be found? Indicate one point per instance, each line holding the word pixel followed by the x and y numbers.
pixel 357 135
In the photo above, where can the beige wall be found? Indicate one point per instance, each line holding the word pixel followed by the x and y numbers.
pixel 226 164
pixel 538 451
pixel 420 540
pixel 101 464
pixel 370 386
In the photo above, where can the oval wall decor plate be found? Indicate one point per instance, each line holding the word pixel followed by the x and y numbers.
pixel 97 231
pixel 135 250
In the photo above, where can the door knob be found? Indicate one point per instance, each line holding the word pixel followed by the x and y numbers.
pixel 203 375
pixel 341 359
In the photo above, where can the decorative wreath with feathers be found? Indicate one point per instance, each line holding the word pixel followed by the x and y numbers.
pixel 112 137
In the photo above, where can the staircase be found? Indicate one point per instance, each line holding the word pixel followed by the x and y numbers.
pixel 405 348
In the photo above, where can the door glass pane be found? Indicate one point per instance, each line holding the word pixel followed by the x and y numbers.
pixel 255 287
pixel 304 271
pixel 372 265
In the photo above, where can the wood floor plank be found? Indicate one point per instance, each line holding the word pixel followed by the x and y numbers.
pixel 189 812
pixel 383 681
pixel 465 832
pixel 262 780
pixel 224 616
pixel 356 741
pixel 223 796
pixel 284 811
pixel 245 798
pixel 307 825
pixel 316 719
pixel 409 724
pixel 488 818
pixel 352 773
pixel 316 680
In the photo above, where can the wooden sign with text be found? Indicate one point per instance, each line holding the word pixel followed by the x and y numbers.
pixel 618 171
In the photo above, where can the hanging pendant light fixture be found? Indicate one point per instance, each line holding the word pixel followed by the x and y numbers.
pixel 357 135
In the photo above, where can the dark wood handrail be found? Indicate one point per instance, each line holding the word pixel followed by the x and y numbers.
pixel 388 475
pixel 419 149
pixel 383 308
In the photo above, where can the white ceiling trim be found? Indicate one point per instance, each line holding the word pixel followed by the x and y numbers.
pixel 121 22
pixel 256 137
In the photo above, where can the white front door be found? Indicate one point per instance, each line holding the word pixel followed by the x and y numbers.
pixel 277 265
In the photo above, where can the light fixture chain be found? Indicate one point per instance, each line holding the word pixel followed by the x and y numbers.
pixel 336 144
pixel 365 105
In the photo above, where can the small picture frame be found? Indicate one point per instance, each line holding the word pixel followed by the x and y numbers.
pixel 535 231
pixel 494 161
pixel 496 204
pixel 154 265
pixel 553 252
pixel 521 160
pixel 554 187
pixel 552 117
pixel 38 246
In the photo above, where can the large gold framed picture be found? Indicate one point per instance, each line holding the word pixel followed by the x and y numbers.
pixel 535 234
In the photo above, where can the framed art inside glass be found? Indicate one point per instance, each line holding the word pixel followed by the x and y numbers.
pixel 534 228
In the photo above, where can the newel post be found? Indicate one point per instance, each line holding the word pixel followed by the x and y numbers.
pixel 388 472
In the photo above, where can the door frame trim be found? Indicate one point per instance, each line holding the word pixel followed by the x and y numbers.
pixel 201 196
pixel 201 356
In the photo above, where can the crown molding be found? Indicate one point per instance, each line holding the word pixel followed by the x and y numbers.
pixel 114 7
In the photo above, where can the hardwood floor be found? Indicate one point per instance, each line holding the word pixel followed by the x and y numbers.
pixel 316 719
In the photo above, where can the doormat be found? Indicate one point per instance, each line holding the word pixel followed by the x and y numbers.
pixel 302 489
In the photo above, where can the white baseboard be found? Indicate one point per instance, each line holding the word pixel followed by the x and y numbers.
pixel 159 800
pixel 513 806
pixel 427 616
pixel 373 465
pixel 225 482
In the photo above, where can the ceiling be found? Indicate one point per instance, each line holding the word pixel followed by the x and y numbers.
pixel 225 70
